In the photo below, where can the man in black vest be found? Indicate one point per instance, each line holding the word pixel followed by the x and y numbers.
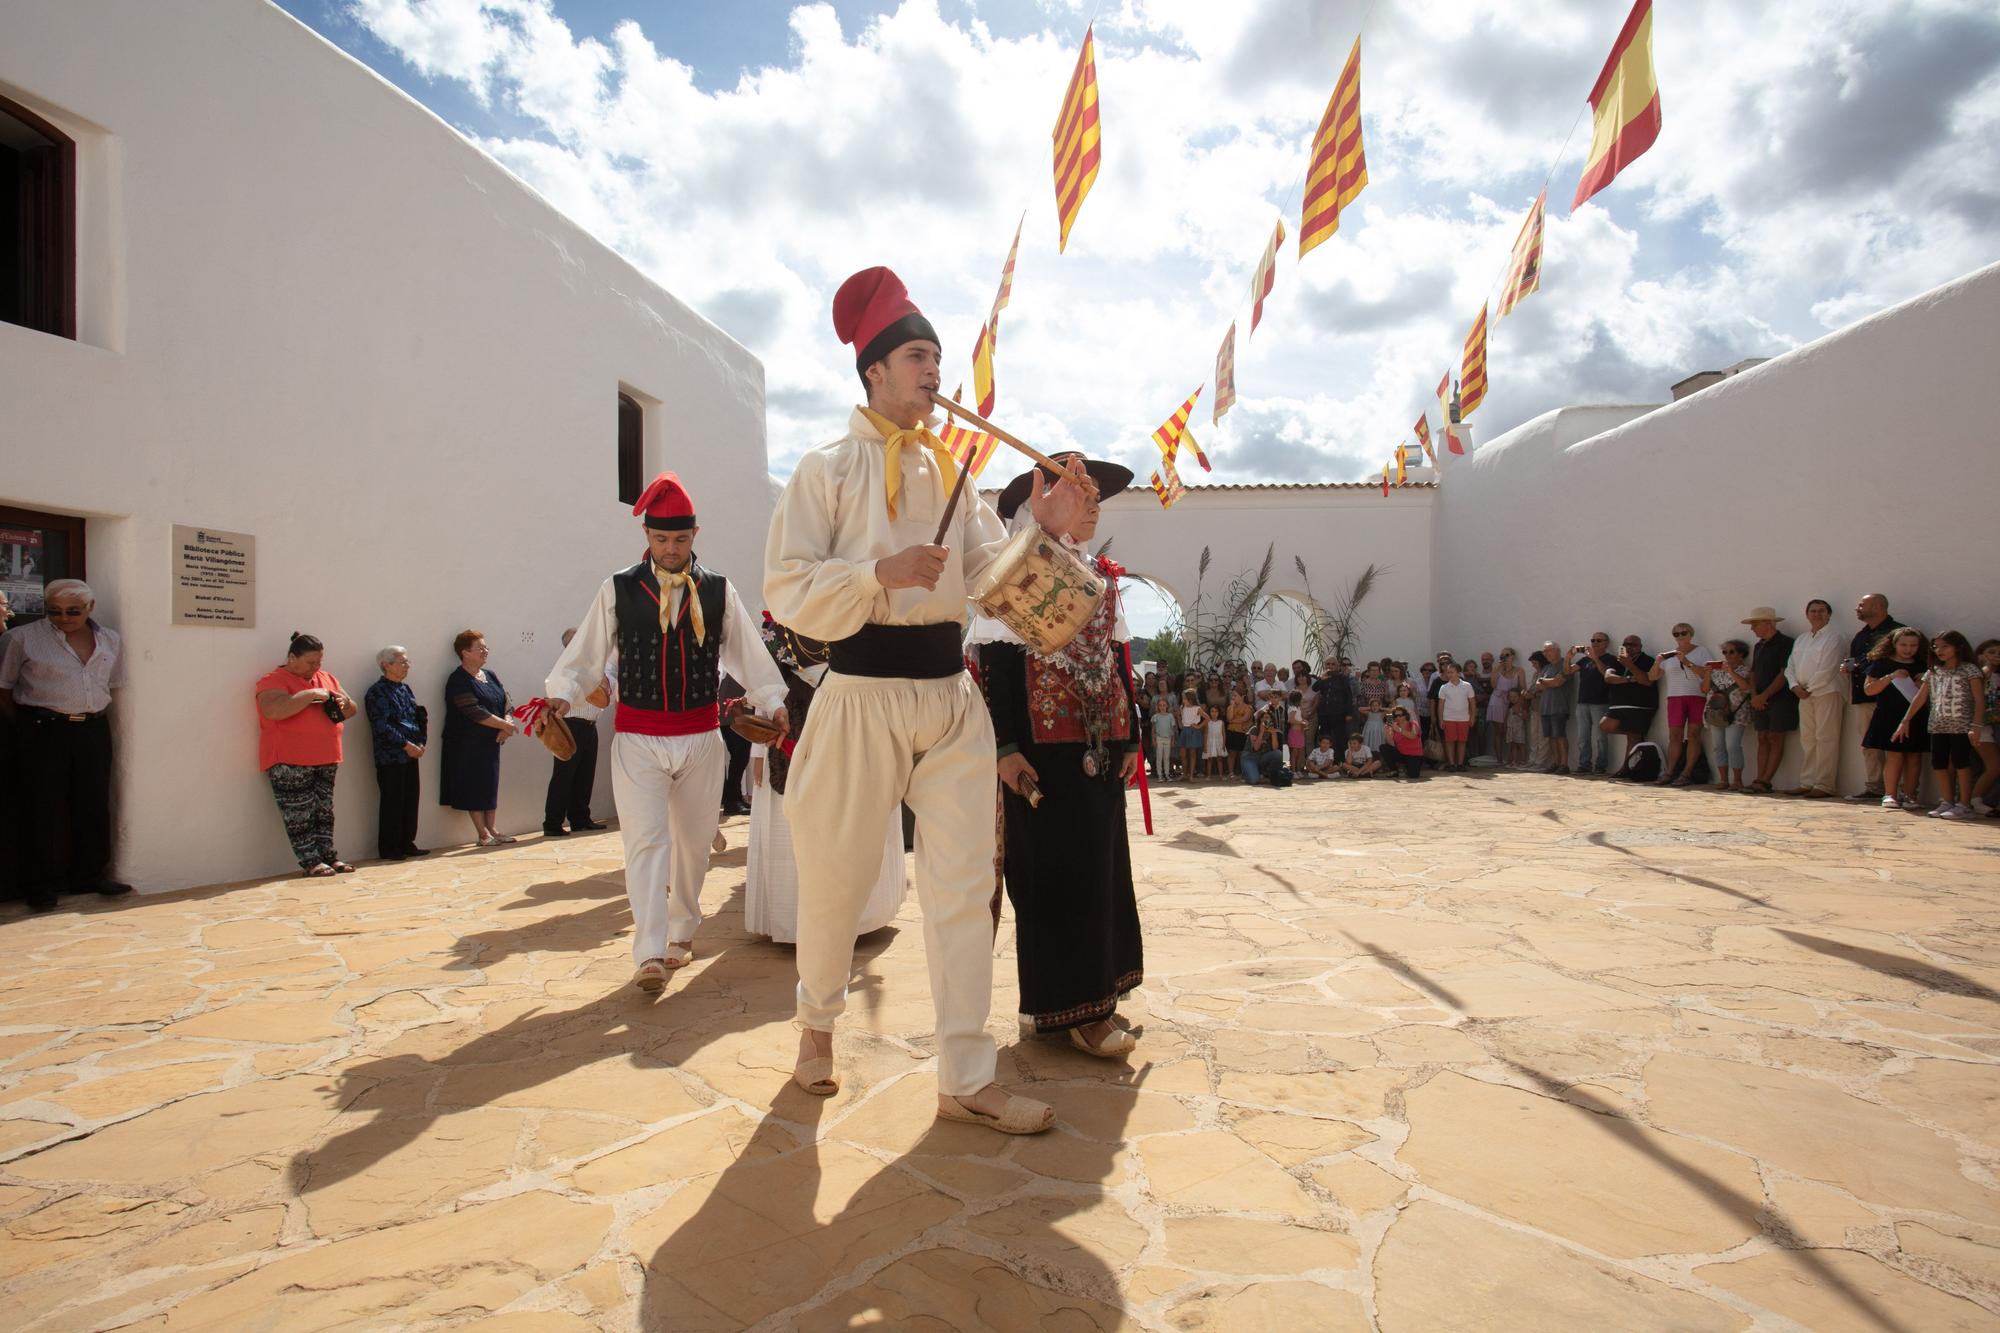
pixel 676 627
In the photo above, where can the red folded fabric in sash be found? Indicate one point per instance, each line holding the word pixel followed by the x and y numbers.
pixel 657 722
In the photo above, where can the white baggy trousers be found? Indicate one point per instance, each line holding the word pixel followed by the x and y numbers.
pixel 870 743
pixel 668 790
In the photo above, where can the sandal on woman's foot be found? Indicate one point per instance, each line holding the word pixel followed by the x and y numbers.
pixel 1020 1115
pixel 679 954
pixel 320 871
pixel 651 976
pixel 1117 1043
pixel 341 867
pixel 501 839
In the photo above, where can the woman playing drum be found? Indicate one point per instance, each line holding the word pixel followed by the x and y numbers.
pixel 1064 719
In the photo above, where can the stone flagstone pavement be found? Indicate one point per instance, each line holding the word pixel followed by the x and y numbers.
pixel 1503 1051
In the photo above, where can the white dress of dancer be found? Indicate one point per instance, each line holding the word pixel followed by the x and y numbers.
pixel 771 888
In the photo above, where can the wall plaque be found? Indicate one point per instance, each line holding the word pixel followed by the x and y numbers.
pixel 215 577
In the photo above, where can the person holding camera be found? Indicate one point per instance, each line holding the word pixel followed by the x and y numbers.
pixel 300 709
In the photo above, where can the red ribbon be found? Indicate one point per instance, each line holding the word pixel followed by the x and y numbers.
pixel 1145 793
pixel 529 714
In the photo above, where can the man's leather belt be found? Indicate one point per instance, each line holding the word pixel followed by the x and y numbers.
pixel 51 715
pixel 915 652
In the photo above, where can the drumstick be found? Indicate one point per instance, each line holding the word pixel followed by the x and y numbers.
pixel 951 505
pixel 967 414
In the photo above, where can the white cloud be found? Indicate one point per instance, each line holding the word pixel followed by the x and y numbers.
pixel 1809 173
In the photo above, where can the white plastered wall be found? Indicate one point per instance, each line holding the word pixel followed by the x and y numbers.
pixel 1337 530
pixel 314 313
pixel 1862 462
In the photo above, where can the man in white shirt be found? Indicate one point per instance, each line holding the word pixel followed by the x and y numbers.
pixel 56 679
pixel 854 560
pixel 675 627
pixel 1813 673
pixel 572 780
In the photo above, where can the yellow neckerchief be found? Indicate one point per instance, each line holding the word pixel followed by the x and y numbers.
pixel 895 437
pixel 669 580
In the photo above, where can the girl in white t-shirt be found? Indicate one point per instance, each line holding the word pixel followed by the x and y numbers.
pixel 1191 737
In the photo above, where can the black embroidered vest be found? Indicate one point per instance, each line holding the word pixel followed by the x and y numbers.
pixel 668 671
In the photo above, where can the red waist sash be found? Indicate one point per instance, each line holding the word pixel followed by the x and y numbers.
pixel 656 722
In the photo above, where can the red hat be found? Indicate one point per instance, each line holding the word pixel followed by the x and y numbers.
pixel 666 504
pixel 873 314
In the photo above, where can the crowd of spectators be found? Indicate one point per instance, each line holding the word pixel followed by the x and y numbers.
pixel 1729 712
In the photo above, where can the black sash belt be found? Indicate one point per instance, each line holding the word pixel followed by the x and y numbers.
pixel 918 652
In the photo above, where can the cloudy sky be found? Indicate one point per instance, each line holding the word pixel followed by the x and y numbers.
pixel 1819 160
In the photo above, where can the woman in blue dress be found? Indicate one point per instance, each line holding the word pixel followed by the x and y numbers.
pixel 476 725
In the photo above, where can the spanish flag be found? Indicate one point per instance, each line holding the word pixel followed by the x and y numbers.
pixel 1472 373
pixel 1625 105
pixel 1076 139
pixel 1339 167
pixel 1385 481
pixel 1402 474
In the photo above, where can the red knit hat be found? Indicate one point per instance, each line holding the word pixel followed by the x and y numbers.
pixel 666 504
pixel 873 314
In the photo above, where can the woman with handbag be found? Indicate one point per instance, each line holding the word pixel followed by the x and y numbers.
pixel 475 727
pixel 1723 714
pixel 401 726
pixel 300 709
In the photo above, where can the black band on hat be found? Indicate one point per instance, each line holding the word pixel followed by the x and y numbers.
pixel 677 523
pixel 905 330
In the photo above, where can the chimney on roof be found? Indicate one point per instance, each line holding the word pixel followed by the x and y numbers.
pixel 1702 379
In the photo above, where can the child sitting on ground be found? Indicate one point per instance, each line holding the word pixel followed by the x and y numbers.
pixel 1359 761
pixel 1322 761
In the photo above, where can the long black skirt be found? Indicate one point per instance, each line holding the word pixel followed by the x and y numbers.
pixel 1069 876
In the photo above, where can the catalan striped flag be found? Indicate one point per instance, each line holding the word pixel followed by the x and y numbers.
pixel 1339 168
pixel 1444 397
pixel 1168 489
pixel 1076 139
pixel 1625 105
pixel 964 440
pixel 1402 471
pixel 989 332
pixel 1524 268
pixel 1452 440
pixel 1424 438
pixel 1265 277
pixel 1385 481
pixel 1225 375
pixel 1472 372
pixel 1168 436
pixel 1187 438
pixel 982 370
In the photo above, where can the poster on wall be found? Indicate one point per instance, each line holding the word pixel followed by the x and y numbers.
pixel 21 577
pixel 215 577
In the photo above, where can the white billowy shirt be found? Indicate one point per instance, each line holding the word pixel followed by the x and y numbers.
pixel 1815 661
pixel 590 654
pixel 833 524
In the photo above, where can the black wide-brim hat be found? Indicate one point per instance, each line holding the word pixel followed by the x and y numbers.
pixel 1110 479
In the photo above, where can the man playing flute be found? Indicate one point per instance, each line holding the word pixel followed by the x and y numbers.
pixel 854 559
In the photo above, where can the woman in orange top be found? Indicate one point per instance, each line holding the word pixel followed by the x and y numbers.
pixel 300 709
